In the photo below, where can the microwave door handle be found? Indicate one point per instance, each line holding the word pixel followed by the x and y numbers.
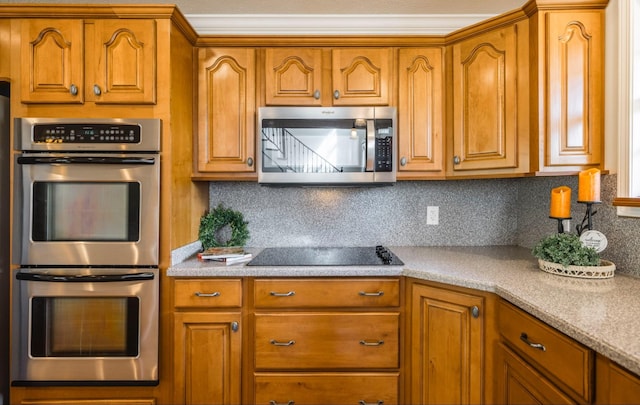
pixel 371 145
pixel 35 160
pixel 85 278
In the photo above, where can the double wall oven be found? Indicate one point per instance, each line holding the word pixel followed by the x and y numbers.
pixel 86 235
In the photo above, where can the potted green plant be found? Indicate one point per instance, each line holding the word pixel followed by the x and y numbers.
pixel 565 254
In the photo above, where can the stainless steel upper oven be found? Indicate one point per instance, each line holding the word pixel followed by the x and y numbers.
pixel 86 192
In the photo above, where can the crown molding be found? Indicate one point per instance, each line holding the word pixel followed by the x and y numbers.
pixel 331 24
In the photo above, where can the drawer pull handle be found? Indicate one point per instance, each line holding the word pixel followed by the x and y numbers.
pixel 539 346
pixel 372 343
pixel 213 294
pixel 276 343
pixel 289 402
pixel 287 294
pixel 363 402
pixel 371 294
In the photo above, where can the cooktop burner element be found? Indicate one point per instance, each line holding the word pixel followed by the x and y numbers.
pixel 326 256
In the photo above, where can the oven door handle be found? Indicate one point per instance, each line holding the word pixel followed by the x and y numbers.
pixel 85 278
pixel 101 160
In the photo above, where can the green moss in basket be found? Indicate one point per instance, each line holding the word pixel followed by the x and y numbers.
pixel 566 249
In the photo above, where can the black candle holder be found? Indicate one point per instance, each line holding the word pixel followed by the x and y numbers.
pixel 560 225
pixel 587 221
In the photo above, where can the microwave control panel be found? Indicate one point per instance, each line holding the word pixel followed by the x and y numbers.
pixel 86 133
pixel 384 155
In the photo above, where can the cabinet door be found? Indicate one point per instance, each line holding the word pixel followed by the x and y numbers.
pixel 614 384
pixel 293 76
pixel 361 76
pixel 121 62
pixel 420 112
pixel 574 103
pixel 446 346
pixel 519 383
pixel 52 55
pixel 226 110
pixel 485 102
pixel 207 358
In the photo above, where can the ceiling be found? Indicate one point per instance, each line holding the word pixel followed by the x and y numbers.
pixel 327 16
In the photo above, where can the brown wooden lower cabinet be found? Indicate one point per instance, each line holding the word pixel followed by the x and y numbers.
pixel 520 383
pixel 326 388
pixel 614 384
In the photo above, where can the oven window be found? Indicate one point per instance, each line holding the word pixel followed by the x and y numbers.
pixel 86 211
pixel 85 326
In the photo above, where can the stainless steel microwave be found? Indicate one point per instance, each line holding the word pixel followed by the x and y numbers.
pixel 327 146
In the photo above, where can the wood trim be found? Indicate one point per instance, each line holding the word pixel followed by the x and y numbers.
pixel 626 202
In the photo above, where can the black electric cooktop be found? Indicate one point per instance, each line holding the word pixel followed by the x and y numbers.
pixel 326 256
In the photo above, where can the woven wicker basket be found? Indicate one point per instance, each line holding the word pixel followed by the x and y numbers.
pixel 605 270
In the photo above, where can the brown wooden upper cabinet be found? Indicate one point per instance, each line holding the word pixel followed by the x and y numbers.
pixel 71 61
pixel 329 77
pixel 226 111
pixel 568 89
pixel 490 114
pixel 420 113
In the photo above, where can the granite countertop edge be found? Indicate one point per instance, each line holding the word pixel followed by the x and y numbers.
pixel 604 315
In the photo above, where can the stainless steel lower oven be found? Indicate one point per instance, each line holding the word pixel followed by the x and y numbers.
pixel 85 326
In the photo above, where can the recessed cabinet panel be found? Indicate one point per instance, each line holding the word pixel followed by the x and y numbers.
pixel 361 76
pixel 485 119
pixel 293 76
pixel 420 110
pixel 226 109
pixel 52 67
pixel 125 54
pixel 574 89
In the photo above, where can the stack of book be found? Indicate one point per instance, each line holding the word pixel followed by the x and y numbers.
pixel 226 255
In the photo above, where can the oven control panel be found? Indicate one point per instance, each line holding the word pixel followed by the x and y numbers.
pixel 86 133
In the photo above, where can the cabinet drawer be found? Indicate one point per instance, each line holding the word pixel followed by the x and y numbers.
pixel 309 293
pixel 326 388
pixel 202 293
pixel 565 361
pixel 326 340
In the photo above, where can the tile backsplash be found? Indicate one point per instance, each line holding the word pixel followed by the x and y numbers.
pixel 471 213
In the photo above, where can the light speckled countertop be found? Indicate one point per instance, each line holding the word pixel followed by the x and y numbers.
pixel 602 314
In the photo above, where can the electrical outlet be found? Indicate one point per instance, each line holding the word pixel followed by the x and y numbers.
pixel 433 215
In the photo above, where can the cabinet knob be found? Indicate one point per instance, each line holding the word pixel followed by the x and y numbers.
pixel 336 94
pixel 456 160
pixel 316 94
pixel 475 311
pixel 403 161
pixel 250 161
pixel 96 90
pixel 235 326
pixel 73 89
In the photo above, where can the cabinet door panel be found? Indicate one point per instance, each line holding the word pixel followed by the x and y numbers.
pixel 520 384
pixel 446 347
pixel 485 119
pixel 52 56
pixel 574 88
pixel 293 76
pixel 420 110
pixel 207 358
pixel 361 76
pixel 124 53
pixel 226 110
